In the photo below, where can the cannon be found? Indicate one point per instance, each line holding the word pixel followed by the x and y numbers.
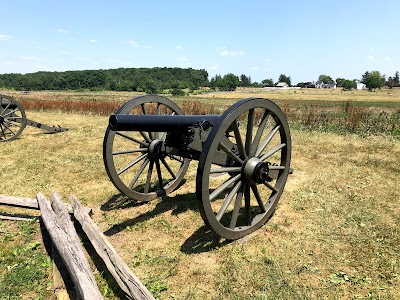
pixel 243 158
pixel 13 120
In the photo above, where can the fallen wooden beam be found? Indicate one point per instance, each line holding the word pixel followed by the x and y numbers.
pixel 128 282
pixel 19 201
pixel 30 203
pixel 65 239
pixel 16 217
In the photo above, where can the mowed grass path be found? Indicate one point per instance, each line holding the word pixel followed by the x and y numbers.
pixel 335 233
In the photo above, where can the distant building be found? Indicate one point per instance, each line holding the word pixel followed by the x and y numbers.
pixel 361 86
pixel 282 85
pixel 322 85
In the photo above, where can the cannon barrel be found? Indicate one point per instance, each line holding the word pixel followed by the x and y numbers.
pixel 8 104
pixel 160 123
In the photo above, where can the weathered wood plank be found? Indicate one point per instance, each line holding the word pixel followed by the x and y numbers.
pixel 16 217
pixel 30 203
pixel 65 239
pixel 19 201
pixel 128 282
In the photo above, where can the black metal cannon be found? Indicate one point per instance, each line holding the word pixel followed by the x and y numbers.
pixel 13 120
pixel 243 158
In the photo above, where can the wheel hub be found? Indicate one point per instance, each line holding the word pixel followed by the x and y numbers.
pixel 155 148
pixel 255 170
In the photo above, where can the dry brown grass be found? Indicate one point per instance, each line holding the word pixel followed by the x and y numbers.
pixel 335 233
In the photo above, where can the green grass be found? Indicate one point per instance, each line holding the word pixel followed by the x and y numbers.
pixel 335 233
pixel 25 265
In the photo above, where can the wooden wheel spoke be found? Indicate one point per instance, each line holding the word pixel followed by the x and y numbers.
pixel 130 151
pixel 236 209
pixel 239 141
pixel 272 151
pixel 168 168
pixel 224 186
pixel 247 203
pixel 258 198
pixel 10 112
pixel 132 139
pixel 130 165
pixel 267 139
pixel 230 153
pixel 226 170
pixel 228 201
pixel 145 136
pixel 267 184
pixel 159 175
pixel 259 132
pixel 5 109
pixel 249 132
pixel 148 179
pixel 138 173
pixel 9 129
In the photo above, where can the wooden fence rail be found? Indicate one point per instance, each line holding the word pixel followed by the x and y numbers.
pixel 56 218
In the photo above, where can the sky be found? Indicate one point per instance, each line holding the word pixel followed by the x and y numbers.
pixel 261 39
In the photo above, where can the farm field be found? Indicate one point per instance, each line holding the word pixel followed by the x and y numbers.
pixel 335 233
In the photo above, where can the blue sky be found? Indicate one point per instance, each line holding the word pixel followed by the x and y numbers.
pixel 262 39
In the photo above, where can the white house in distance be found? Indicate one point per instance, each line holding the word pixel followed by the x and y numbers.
pixel 282 85
pixel 361 86
pixel 322 85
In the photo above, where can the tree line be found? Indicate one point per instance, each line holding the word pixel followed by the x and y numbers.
pixel 155 80
pixel 149 80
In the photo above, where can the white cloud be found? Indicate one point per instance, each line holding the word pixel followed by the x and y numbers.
pixel 213 68
pixel 137 45
pixel 387 58
pixel 182 59
pixel 28 58
pixel 232 53
pixel 255 68
pixel 61 30
pixel 92 41
pixel 179 47
pixel 370 57
pixel 4 37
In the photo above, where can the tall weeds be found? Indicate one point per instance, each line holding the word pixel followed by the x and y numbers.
pixel 343 119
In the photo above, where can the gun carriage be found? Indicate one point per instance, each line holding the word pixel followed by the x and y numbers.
pixel 13 120
pixel 243 158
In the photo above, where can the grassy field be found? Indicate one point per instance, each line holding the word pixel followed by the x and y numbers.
pixel 335 233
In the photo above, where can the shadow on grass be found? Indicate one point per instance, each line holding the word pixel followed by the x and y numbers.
pixel 202 240
pixel 178 204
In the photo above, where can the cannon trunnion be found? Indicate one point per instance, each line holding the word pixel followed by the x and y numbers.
pixel 243 158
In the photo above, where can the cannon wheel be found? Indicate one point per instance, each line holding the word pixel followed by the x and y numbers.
pixel 12 119
pixel 133 159
pixel 237 198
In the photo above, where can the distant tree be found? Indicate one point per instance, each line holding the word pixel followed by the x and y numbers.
pixel 268 82
pixel 339 82
pixel 216 82
pixel 390 82
pixel 230 82
pixel 396 78
pixel 326 79
pixel 244 80
pixel 364 77
pixel 257 84
pixel 284 78
pixel 373 80
pixel 348 84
